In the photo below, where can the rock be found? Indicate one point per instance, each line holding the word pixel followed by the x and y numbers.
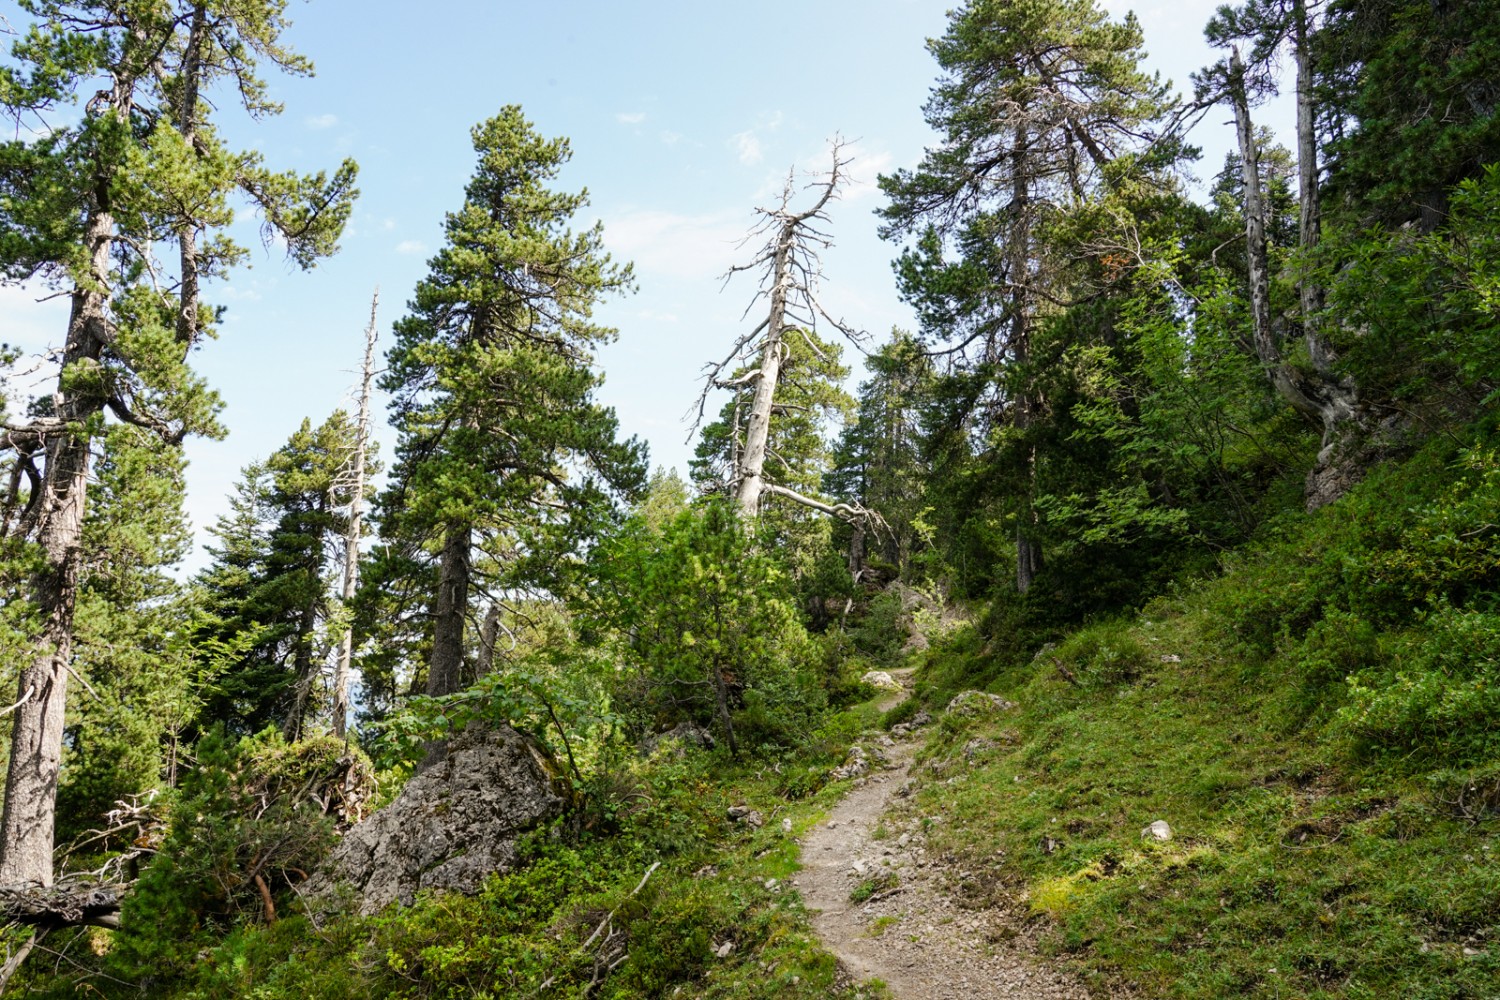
pixel 976 745
pixel 452 826
pixel 969 704
pixel 1158 830
pixel 1170 658
pixel 684 734
pixel 786 827
pixel 921 719
pixel 881 679
pixel 747 816
pixel 856 764
pixel 724 950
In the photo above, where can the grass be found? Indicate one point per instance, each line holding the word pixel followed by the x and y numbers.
pixel 1308 859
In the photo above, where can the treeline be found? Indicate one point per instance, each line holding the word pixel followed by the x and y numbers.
pixel 1112 383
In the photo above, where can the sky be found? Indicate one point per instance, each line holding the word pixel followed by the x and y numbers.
pixel 683 119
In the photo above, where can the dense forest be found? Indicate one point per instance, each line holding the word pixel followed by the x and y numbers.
pixel 1202 485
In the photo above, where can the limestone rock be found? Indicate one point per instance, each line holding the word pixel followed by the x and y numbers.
pixel 747 816
pixel 452 826
pixel 1158 830
pixel 856 764
pixel 881 679
pixel 969 704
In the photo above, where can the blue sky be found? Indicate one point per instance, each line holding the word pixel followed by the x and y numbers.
pixel 683 118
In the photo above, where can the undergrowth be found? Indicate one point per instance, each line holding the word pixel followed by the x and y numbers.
pixel 714 919
pixel 1319 726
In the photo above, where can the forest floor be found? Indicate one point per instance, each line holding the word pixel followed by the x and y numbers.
pixel 891 913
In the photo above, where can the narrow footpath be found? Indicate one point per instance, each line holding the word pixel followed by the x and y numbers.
pixel 910 932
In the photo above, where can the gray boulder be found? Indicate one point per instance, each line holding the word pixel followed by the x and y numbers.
pixel 452 826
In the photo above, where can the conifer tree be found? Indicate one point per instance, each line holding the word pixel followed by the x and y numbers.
pixel 1037 100
pixel 269 587
pixel 504 453
pixel 139 165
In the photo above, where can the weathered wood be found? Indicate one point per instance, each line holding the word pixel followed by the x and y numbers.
pixel 341 670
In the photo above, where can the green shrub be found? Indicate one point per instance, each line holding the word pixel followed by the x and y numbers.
pixel 1439 692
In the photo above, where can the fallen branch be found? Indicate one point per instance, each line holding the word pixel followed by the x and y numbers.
pixel 611 953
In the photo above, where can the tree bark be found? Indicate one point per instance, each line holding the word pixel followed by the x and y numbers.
pixel 450 607
pixel 1028 552
pixel 26 828
pixel 342 668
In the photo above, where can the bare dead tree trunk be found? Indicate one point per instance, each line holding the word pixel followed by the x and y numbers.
pixel 791 267
pixel 751 471
pixel 1309 196
pixel 1263 334
pixel 355 528
pixel 1319 395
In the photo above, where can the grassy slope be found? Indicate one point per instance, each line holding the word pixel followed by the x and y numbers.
pixel 1327 843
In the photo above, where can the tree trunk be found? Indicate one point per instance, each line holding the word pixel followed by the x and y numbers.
pixel 758 430
pixel 303 671
pixel 1319 395
pixel 1263 334
pixel 341 670
pixel 489 636
pixel 1309 196
pixel 450 607
pixel 1028 553
pixel 857 551
pixel 26 829
pixel 187 121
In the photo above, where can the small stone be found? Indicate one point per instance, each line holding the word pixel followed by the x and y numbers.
pixel 771 883
pixel 1171 658
pixel 786 826
pixel 1158 830
pixel 724 950
pixel 881 679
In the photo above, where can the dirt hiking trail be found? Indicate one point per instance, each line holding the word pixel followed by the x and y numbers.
pixel 910 933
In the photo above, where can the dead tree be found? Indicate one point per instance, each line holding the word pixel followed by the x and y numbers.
pixel 791 268
pixel 1318 394
pixel 355 527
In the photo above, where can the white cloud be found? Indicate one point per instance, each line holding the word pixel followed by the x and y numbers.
pixel 656 316
pixel 321 121
pixel 409 247
pixel 630 117
pixel 864 172
pixel 696 247
pixel 747 147
pixel 670 138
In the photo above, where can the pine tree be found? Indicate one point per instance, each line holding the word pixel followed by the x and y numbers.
pixel 504 453
pixel 1039 99
pixel 269 586
pixel 81 206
